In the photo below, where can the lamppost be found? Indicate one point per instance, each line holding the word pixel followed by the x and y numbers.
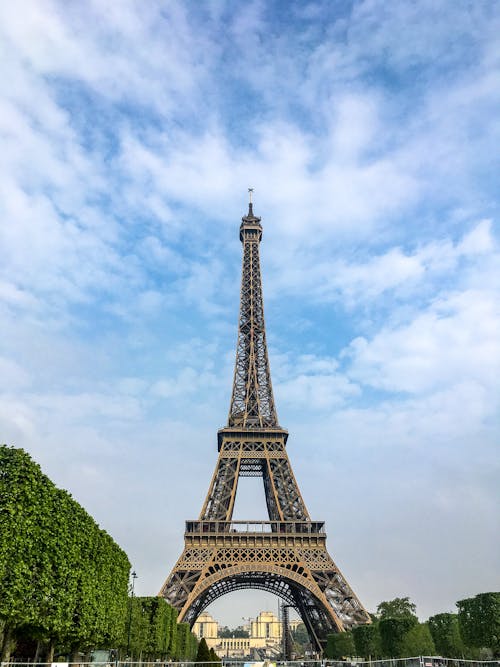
pixel 132 586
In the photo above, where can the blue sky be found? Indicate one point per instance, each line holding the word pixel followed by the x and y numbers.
pixel 370 132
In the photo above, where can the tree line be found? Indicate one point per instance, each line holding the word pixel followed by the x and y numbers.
pixel 395 632
pixel 64 582
pixel 153 632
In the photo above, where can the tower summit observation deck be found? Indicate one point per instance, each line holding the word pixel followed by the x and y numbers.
pixel 287 554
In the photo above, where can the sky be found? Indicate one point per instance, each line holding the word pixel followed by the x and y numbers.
pixel 130 132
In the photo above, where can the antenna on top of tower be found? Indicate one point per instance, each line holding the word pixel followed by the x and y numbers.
pixel 250 205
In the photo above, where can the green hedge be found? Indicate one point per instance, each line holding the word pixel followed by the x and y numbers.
pixel 152 632
pixel 63 580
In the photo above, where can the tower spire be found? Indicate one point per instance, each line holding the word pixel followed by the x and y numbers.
pixel 287 554
pixel 252 400
pixel 250 215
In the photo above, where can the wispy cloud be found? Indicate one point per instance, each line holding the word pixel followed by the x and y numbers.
pixel 129 135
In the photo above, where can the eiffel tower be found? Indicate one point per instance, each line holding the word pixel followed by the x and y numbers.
pixel 286 555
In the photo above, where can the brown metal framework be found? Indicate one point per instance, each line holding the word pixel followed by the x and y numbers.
pixel 286 555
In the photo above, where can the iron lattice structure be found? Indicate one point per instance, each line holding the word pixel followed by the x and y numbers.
pixel 286 555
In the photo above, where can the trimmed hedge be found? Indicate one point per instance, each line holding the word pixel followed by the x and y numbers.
pixel 63 580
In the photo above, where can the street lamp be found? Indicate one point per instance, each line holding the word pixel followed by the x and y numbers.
pixel 132 587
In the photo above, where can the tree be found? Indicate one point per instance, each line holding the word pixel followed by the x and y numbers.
pixel 203 653
pixel 166 627
pixel 367 640
pixel 300 634
pixel 149 620
pixel 479 621
pixel 238 632
pixel 25 503
pixel 339 645
pixel 213 656
pixel 172 634
pixel 446 635
pixel 137 627
pixel 152 623
pixel 193 646
pixel 417 641
pixel 187 643
pixel 392 634
pixel 62 579
pixel 300 638
pixel 397 608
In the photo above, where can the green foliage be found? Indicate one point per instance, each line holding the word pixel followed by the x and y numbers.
pixel 157 612
pixel 340 645
pixel 213 656
pixel 397 619
pixel 166 627
pixel 367 640
pixel 300 634
pixel 392 635
pixel 182 640
pixel 149 627
pixel 397 608
pixel 479 621
pixel 187 644
pixel 446 635
pixel 172 630
pixel 193 646
pixel 25 506
pixel 203 654
pixel 137 630
pixel 417 641
pixel 62 579
pixel 301 640
pixel 227 633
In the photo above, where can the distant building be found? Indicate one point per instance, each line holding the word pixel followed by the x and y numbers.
pixel 206 627
pixel 265 638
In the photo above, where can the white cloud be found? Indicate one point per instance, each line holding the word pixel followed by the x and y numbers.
pixel 103 47
pixel 478 241
pixel 13 375
pixel 455 340
pixel 74 408
pixel 185 384
pixel 396 273
pixel 318 391
pixel 447 422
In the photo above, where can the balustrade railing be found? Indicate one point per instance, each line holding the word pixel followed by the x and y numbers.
pixel 250 527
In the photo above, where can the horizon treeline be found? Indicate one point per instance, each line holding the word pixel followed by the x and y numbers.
pixel 64 582
pixel 395 632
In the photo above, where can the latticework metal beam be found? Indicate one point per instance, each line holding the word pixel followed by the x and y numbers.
pixel 252 401
pixel 286 555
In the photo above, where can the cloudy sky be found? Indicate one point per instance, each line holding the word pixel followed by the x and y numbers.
pixel 130 132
